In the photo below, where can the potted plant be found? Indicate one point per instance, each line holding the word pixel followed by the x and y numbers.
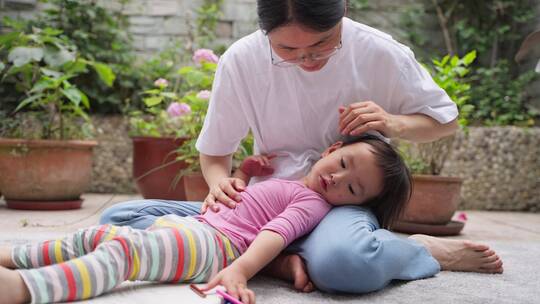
pixel 45 154
pixel 163 134
pixel 435 198
pixel 165 160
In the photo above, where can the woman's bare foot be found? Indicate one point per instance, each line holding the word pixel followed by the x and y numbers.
pixel 12 287
pixel 458 255
pixel 291 268
pixel 5 257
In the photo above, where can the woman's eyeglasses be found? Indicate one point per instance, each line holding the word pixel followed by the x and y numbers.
pixel 311 56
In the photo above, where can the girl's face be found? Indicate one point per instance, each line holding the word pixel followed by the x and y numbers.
pixel 346 175
pixel 292 42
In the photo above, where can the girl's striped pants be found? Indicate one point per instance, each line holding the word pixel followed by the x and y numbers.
pixel 95 260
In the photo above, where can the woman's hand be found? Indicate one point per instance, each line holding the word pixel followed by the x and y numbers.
pixel 360 117
pixel 235 282
pixel 227 192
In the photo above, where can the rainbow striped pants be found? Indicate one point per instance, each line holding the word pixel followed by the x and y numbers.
pixel 95 260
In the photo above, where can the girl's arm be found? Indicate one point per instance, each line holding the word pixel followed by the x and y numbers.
pixel 266 246
pixel 254 165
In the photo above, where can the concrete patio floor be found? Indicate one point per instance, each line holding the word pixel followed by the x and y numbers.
pixel 515 236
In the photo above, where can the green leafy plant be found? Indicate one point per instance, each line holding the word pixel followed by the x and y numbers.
pixel 40 65
pixel 102 35
pixel 179 110
pixel 494 29
pixel 157 120
pixel 500 97
pixel 450 74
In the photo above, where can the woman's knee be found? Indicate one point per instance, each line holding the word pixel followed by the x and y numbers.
pixel 350 265
pixel 119 213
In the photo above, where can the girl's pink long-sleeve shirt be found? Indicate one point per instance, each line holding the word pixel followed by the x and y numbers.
pixel 288 208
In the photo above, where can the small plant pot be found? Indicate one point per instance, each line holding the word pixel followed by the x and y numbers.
pixel 45 174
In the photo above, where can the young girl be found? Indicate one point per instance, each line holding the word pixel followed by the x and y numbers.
pixel 228 247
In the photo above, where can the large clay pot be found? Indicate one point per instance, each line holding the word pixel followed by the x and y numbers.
pixel 45 174
pixel 434 199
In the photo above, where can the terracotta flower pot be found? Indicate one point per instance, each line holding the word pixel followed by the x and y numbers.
pixel 155 169
pixel 195 187
pixel 45 174
pixel 156 172
pixel 434 199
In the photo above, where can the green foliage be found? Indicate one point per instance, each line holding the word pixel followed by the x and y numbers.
pixel 449 73
pixel 100 35
pixel 357 5
pixel 416 164
pixel 208 15
pixel 494 29
pixel 41 65
pixel 500 97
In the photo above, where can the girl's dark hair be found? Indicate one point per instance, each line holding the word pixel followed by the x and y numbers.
pixel 318 15
pixel 397 183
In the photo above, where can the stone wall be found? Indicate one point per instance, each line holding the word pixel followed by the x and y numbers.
pixel 113 158
pixel 157 24
pixel 500 166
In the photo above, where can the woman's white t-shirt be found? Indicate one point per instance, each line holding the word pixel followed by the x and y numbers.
pixel 295 113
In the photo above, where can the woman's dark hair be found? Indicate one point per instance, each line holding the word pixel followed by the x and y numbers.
pixel 318 15
pixel 397 183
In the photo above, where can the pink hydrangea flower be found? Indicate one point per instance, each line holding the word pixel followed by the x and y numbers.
pixel 205 55
pixel 176 109
pixel 204 94
pixel 161 83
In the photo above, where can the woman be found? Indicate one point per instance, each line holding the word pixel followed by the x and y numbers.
pixel 308 77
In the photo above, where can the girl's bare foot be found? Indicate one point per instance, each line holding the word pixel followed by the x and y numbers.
pixel 291 268
pixel 458 255
pixel 5 257
pixel 12 287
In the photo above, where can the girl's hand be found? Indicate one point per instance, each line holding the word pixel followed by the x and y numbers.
pixel 360 117
pixel 257 165
pixel 226 192
pixel 236 284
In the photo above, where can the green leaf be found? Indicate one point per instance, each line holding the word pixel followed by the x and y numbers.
pixel 6 39
pixel 84 100
pixel 75 67
pixel 23 55
pixel 105 73
pixel 73 94
pixel 2 66
pixel 469 58
pixel 185 70
pixel 152 101
pixel 28 101
pixel 170 95
pixel 51 73
pixel 52 32
pixel 152 91
pixel 43 84
pixel 57 57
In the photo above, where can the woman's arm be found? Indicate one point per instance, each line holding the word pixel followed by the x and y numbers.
pixel 422 128
pixel 361 117
pixel 266 246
